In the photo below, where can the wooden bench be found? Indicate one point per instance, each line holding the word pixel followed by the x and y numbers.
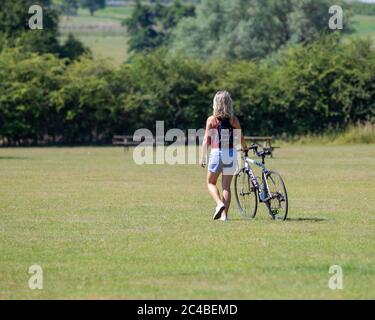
pixel 126 141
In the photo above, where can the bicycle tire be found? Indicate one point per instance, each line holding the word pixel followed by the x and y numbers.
pixel 279 196
pixel 243 193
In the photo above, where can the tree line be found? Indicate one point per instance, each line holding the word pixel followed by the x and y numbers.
pixel 236 29
pixel 283 82
pixel 301 89
pixel 363 8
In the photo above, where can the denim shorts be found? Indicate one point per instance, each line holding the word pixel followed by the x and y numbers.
pixel 223 161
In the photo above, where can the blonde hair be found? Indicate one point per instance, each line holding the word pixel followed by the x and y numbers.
pixel 223 105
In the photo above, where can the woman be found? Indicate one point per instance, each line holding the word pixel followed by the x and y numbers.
pixel 223 157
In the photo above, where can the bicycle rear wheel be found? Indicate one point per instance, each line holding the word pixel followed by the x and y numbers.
pixel 278 204
pixel 246 195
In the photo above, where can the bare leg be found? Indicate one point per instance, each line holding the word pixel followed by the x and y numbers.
pixel 226 182
pixel 211 183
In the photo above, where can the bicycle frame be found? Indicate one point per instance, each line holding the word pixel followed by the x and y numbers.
pixel 249 171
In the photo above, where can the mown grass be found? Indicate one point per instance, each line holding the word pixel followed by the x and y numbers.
pixel 102 227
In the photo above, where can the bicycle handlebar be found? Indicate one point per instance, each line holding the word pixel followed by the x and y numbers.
pixel 262 154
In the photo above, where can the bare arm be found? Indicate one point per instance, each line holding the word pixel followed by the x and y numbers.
pixel 206 143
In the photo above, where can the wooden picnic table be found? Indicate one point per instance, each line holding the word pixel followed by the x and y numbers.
pixel 264 142
pixel 126 141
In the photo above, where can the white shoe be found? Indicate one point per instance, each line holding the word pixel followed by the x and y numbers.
pixel 224 217
pixel 218 211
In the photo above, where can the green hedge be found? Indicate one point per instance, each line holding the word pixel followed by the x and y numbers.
pixel 300 90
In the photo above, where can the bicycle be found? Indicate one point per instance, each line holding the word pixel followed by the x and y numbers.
pixel 271 191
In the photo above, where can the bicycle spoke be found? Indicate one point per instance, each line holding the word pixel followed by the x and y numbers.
pixel 278 203
pixel 245 195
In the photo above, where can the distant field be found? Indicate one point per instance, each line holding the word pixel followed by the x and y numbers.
pixel 110 12
pixel 102 227
pixel 102 33
pixel 112 47
pixel 365 26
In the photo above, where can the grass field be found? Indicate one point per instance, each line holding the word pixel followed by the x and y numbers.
pixel 103 33
pixel 102 227
pixel 365 26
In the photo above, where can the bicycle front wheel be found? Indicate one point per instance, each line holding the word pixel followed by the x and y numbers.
pixel 278 204
pixel 246 195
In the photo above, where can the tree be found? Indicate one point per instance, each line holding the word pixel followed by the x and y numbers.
pixel 150 26
pixel 141 30
pixel 73 48
pixel 303 88
pixel 84 101
pixel 161 86
pixel 70 7
pixel 15 30
pixel 93 5
pixel 247 29
pixel 309 19
pixel 168 16
pixel 27 85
